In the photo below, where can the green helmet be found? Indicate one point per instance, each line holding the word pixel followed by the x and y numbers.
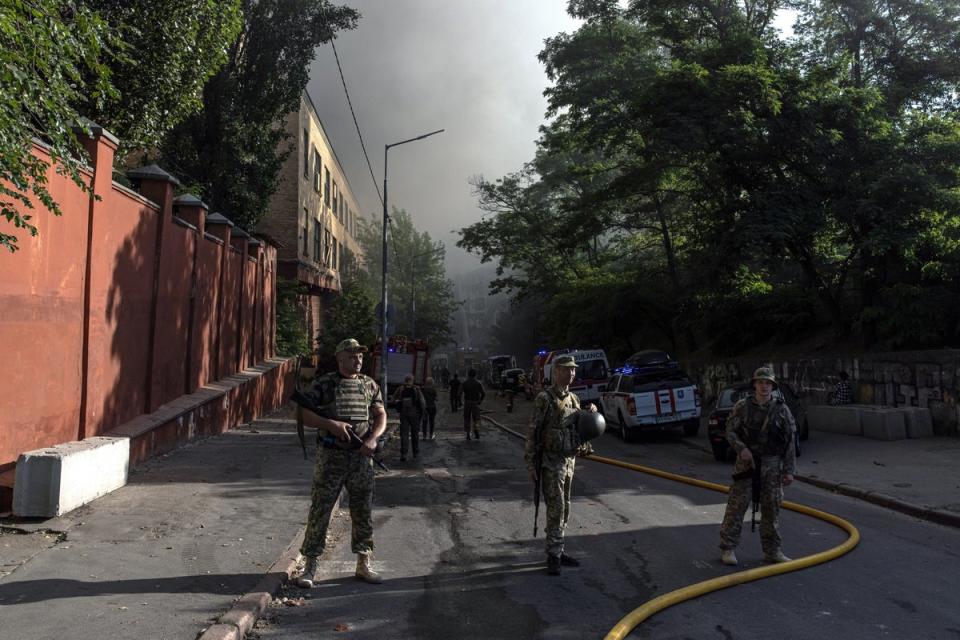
pixel 590 424
pixel 764 373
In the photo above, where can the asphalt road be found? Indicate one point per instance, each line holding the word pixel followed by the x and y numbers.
pixel 453 533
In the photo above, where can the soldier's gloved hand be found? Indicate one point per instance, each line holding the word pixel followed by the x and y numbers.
pixel 746 456
pixel 592 408
pixel 585 449
pixel 340 430
pixel 787 479
pixel 533 475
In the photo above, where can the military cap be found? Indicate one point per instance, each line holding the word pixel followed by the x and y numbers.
pixel 764 373
pixel 564 361
pixel 350 345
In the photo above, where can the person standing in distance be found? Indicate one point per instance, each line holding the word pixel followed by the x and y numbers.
pixel 347 400
pixel 428 422
pixel 762 431
pixel 455 394
pixel 552 434
pixel 473 395
pixel 409 401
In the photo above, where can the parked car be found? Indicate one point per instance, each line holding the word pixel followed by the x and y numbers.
pixel 731 394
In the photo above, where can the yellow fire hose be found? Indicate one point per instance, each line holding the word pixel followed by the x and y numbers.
pixel 689 592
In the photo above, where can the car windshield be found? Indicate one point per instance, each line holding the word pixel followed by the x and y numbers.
pixel 591 370
pixel 731 396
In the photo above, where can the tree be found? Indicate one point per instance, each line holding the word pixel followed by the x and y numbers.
pixel 53 63
pixel 233 150
pixel 351 314
pixel 171 48
pixel 416 269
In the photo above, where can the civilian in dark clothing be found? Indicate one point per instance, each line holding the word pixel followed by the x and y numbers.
pixel 473 395
pixel 455 393
pixel 410 402
pixel 430 397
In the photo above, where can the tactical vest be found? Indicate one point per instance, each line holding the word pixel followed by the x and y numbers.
pixel 345 399
pixel 764 430
pixel 559 429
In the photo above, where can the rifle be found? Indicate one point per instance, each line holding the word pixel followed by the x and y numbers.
pixel 296 386
pixel 301 399
pixel 754 474
pixel 538 480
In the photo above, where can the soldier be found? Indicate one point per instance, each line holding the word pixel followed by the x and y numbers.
pixel 409 401
pixel 552 442
pixel 455 393
pixel 473 395
pixel 348 400
pixel 761 430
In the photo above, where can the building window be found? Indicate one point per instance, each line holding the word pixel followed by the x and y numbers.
pixel 316 242
pixel 336 199
pixel 336 253
pixel 306 153
pixel 326 247
pixel 326 188
pixel 317 167
pixel 343 210
pixel 306 232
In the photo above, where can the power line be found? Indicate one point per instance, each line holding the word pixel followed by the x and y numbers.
pixel 355 123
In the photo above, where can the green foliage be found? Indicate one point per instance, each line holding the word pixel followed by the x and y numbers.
pixel 172 47
pixel 351 314
pixel 53 63
pixel 232 151
pixel 713 183
pixel 291 333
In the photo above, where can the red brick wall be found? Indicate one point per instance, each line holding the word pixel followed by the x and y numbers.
pixel 114 309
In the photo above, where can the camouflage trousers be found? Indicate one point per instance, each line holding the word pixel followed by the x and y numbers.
pixel 335 470
pixel 556 482
pixel 738 501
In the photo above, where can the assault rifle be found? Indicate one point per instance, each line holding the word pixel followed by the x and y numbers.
pixel 538 479
pixel 301 399
pixel 754 474
pixel 296 386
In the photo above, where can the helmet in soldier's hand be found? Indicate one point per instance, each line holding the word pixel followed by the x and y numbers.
pixel 590 425
pixel 764 373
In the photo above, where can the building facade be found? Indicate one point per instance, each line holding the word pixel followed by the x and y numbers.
pixel 312 216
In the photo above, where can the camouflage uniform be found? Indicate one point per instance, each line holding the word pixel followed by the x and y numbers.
pixel 339 464
pixel 768 430
pixel 553 413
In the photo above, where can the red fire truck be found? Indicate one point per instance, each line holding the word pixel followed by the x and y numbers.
pixel 404 357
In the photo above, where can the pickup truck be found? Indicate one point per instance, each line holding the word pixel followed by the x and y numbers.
pixel 649 398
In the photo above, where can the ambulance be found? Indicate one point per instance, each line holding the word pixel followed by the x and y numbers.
pixel 593 372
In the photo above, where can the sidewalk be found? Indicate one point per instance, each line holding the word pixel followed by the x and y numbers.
pixel 167 555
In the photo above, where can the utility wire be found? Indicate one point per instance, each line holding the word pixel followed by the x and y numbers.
pixel 355 123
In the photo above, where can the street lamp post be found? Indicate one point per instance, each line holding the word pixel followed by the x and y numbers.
pixel 383 289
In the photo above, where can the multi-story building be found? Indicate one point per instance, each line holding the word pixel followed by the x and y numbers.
pixel 313 214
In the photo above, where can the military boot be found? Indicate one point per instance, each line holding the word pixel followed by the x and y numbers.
pixel 728 557
pixel 308 577
pixel 365 572
pixel 568 561
pixel 775 557
pixel 553 565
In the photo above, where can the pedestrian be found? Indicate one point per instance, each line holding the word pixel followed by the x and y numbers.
pixel 430 398
pixel 473 394
pixel 409 400
pixel 842 392
pixel 455 393
pixel 762 431
pixel 445 377
pixel 349 401
pixel 552 446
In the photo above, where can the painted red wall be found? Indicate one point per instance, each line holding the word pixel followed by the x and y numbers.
pixel 97 311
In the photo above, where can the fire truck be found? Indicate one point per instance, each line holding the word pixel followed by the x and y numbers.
pixel 404 357
pixel 593 372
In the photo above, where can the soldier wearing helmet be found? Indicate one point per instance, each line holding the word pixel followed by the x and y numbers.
pixel 552 446
pixel 762 431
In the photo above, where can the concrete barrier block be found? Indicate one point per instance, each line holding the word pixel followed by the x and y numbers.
pixel 883 423
pixel 842 419
pixel 50 482
pixel 919 422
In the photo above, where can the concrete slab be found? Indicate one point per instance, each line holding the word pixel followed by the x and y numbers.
pixel 50 482
pixel 919 422
pixel 843 419
pixel 883 423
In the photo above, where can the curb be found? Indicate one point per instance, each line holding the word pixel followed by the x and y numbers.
pixel 239 620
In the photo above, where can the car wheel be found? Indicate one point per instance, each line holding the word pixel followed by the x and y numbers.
pixel 805 431
pixel 719 451
pixel 691 428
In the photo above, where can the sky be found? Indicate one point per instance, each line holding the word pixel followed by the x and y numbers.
pixel 413 66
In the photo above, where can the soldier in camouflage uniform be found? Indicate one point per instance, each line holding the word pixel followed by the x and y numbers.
pixel 552 434
pixel 762 431
pixel 347 400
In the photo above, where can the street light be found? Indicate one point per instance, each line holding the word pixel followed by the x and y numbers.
pixel 383 291
pixel 413 293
